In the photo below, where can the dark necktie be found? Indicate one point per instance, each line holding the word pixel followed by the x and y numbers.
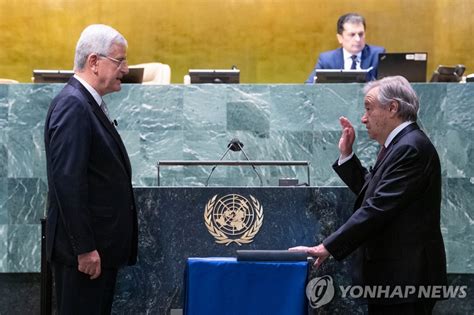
pixel 354 62
pixel 382 152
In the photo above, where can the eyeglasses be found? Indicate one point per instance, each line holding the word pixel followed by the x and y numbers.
pixel 119 62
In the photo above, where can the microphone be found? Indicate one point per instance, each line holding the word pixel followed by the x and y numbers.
pixel 115 122
pixel 234 145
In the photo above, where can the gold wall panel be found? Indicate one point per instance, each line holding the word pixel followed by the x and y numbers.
pixel 271 41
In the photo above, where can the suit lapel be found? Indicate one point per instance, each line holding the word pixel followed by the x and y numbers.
pixel 105 122
pixel 364 60
pixel 111 129
pixel 339 59
pixel 397 138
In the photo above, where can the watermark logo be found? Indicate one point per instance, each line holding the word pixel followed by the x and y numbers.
pixel 320 291
pixel 404 292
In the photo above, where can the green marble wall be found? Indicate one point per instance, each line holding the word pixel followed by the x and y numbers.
pixel 196 122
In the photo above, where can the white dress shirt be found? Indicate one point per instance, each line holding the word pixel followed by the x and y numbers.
pixel 348 59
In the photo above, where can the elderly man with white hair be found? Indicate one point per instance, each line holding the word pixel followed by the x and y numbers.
pixel 91 220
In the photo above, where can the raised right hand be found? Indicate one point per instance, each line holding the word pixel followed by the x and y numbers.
pixel 347 137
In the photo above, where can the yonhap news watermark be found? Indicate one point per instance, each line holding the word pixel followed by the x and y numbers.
pixel 321 290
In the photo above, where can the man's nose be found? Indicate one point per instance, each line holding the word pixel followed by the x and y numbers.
pixel 124 69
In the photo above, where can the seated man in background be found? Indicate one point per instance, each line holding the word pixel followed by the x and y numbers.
pixel 354 53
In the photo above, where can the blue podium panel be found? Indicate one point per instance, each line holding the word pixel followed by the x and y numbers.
pixel 225 286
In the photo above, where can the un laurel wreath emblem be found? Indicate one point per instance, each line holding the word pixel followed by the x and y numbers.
pixel 233 218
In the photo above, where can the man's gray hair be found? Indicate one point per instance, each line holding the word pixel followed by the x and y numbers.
pixel 96 38
pixel 397 89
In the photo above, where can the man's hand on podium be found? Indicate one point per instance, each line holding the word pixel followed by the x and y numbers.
pixel 319 252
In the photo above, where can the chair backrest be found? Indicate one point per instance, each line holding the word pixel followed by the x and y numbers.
pixel 7 81
pixel 155 73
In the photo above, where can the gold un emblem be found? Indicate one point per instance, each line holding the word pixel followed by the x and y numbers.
pixel 233 218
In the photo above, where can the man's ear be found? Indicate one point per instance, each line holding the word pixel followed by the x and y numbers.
pixel 93 63
pixel 339 38
pixel 394 107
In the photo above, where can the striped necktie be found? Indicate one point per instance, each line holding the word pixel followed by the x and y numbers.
pixel 104 108
pixel 354 62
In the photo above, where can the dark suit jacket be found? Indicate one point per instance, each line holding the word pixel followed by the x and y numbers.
pixel 395 226
pixel 334 59
pixel 90 202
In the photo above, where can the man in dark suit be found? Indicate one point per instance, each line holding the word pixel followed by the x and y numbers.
pixel 354 53
pixel 395 226
pixel 91 220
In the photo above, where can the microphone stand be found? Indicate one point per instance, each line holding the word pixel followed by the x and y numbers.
pixel 253 166
pixel 229 146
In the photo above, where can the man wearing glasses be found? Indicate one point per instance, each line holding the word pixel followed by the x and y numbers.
pixel 91 219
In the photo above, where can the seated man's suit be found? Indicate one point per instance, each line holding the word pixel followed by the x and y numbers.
pixel 334 59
